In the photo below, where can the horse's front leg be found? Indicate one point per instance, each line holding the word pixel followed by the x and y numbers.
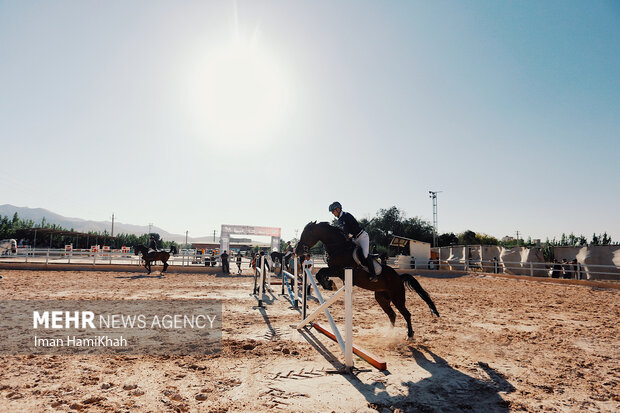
pixel 323 278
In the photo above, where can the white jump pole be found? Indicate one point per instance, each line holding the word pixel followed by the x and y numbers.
pixel 345 345
pixel 282 273
pixel 296 281
pixel 348 318
pixel 262 281
pixel 329 316
pixel 268 275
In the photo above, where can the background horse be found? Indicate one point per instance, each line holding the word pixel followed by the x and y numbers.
pixel 149 257
pixel 276 257
pixel 8 246
pixel 390 286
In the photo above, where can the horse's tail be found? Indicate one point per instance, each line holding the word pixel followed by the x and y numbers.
pixel 413 284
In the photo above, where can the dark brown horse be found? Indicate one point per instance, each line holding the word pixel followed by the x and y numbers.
pixel 150 257
pixel 390 286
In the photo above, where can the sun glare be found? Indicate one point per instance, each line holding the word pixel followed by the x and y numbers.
pixel 241 95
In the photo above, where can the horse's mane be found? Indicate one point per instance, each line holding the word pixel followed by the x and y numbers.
pixel 329 227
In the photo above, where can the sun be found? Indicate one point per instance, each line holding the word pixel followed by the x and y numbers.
pixel 241 93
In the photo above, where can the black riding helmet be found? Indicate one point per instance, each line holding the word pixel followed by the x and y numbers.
pixel 334 205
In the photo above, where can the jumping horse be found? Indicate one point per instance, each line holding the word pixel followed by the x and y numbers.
pixel 389 288
pixel 150 257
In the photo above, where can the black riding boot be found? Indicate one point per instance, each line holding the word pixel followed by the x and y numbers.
pixel 371 269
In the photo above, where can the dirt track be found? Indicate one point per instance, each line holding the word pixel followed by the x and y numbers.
pixel 500 345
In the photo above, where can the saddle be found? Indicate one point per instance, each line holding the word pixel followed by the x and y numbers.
pixel 358 256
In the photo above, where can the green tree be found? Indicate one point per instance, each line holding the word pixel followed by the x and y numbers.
pixel 606 240
pixel 467 238
pixel 447 239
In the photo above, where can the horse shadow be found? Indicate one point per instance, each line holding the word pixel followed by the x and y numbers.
pixel 232 275
pixel 445 390
pixel 448 389
pixel 140 276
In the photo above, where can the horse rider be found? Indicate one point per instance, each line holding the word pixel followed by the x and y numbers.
pixel 355 233
pixel 287 253
pixel 260 258
pixel 152 244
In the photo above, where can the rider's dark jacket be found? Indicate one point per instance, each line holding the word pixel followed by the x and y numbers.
pixel 153 244
pixel 349 224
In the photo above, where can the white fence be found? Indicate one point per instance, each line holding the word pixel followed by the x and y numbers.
pixel 60 256
pixel 565 270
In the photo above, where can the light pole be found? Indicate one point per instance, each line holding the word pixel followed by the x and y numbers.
pixel 433 195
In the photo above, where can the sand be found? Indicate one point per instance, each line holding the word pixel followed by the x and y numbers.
pixel 500 345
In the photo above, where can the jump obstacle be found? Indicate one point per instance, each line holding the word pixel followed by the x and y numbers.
pixel 259 282
pixel 346 344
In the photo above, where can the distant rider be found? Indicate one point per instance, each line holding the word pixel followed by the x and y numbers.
pixel 225 266
pixel 152 244
pixel 239 262
pixel 354 231
pixel 287 253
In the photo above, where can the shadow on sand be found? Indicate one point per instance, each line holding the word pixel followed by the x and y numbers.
pixel 140 276
pixel 445 390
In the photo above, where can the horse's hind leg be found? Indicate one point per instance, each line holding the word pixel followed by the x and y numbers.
pixel 399 302
pixel 384 301
pixel 165 266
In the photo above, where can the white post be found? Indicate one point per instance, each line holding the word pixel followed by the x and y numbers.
pixel 531 269
pixel 348 318
pixel 282 273
pixel 261 280
pixel 296 281
pixel 466 254
pixel 47 257
pixel 269 275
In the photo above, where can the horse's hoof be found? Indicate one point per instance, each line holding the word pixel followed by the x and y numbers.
pixel 435 313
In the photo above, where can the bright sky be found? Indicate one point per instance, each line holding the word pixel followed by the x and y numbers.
pixel 193 114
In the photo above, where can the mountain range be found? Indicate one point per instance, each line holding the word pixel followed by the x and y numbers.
pixel 82 225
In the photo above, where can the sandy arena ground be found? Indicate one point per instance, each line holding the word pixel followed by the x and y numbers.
pixel 500 345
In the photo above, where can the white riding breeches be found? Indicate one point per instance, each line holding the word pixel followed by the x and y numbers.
pixel 363 241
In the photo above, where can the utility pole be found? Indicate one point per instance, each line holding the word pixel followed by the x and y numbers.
pixel 433 195
pixel 517 238
pixel 112 224
pixel 186 238
pixel 150 226
pixel 213 235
